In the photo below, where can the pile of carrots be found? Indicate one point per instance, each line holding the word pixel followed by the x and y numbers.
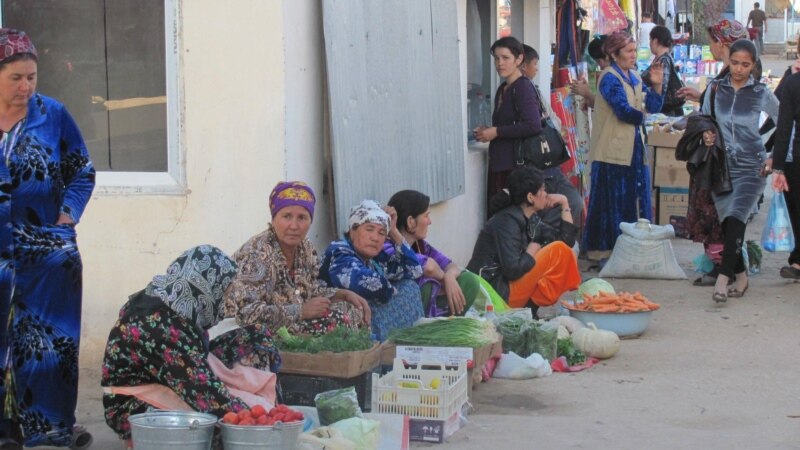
pixel 606 302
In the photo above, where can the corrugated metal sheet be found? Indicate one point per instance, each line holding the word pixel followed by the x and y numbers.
pixel 395 99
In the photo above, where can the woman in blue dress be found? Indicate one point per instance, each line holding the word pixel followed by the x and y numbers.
pixel 46 179
pixel 620 177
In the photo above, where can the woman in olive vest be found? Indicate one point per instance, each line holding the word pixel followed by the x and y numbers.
pixel 620 177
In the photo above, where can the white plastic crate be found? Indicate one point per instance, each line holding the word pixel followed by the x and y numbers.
pixel 425 402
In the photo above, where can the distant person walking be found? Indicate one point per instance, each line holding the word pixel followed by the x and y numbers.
pixel 645 28
pixel 759 21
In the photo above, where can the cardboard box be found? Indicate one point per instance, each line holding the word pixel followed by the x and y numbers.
pixel 425 430
pixel 659 137
pixel 669 172
pixel 673 203
pixel 329 364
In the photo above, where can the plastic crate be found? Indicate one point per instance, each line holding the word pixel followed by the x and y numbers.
pixel 389 397
pixel 301 389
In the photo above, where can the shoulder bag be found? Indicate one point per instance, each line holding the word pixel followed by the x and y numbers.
pixel 544 150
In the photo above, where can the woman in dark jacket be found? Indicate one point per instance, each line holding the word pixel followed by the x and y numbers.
pixel 516 113
pixel 528 262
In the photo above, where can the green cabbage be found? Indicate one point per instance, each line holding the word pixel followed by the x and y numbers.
pixel 593 287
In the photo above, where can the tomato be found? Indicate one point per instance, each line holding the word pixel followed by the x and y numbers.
pixel 262 420
pixel 245 414
pixel 231 418
pixel 258 411
pixel 248 421
pixel 294 416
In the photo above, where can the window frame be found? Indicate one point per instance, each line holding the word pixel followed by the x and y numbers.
pixel 173 181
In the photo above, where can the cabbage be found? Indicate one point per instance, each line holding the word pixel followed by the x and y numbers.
pixel 593 287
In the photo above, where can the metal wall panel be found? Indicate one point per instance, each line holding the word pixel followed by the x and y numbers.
pixel 395 99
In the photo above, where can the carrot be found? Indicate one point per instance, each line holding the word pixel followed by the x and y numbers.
pixel 621 302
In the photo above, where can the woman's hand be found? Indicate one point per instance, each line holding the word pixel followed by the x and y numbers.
pixel 431 269
pixel 455 296
pixel 533 248
pixel 580 87
pixel 485 134
pixel 656 76
pixel 394 233
pixel 64 219
pixel 357 301
pixel 688 93
pixel 779 183
pixel 557 200
pixel 315 308
pixel 709 137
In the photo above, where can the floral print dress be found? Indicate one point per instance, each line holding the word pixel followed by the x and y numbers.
pixel 45 171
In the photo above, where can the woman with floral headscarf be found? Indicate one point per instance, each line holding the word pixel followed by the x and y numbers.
pixel 620 181
pixel 161 338
pixel 278 283
pixel 46 180
pixel 359 263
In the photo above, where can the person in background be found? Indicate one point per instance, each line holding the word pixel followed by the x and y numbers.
pixel 581 87
pixel 661 47
pixel 528 262
pixel 702 221
pixel 46 180
pixel 452 289
pixel 645 28
pixel 759 21
pixel 738 103
pixel 277 284
pixel 555 180
pixel 785 161
pixel 620 181
pixel 359 263
pixel 516 114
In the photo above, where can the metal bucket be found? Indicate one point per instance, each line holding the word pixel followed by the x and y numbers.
pixel 179 430
pixel 281 436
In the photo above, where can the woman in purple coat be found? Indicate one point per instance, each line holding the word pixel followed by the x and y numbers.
pixel 516 113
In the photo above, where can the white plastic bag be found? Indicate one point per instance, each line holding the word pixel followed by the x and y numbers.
pixel 364 433
pixel 324 438
pixel 516 367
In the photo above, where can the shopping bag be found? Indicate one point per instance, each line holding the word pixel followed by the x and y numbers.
pixel 777 234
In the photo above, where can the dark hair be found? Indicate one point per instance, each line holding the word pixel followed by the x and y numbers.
pixel 662 35
pixel 408 203
pixel 756 4
pixel 18 57
pixel 511 43
pixel 530 53
pixel 521 182
pixel 596 48
pixel 744 45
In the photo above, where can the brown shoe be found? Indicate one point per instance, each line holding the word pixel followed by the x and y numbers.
pixel 790 272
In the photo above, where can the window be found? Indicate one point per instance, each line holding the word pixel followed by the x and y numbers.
pixel 107 62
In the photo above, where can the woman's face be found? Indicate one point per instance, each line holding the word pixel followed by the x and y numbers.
pixel 368 239
pixel 418 226
pixel 741 65
pixel 291 225
pixel 505 62
pixel 18 82
pixel 531 68
pixel 539 200
pixel 718 49
pixel 626 58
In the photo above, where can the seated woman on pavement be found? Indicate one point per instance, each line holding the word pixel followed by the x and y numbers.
pixel 158 349
pixel 446 289
pixel 278 282
pixel 528 262
pixel 387 281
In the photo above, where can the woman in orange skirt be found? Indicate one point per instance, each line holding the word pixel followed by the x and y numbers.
pixel 528 262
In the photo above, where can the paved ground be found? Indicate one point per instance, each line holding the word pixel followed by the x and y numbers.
pixel 702 376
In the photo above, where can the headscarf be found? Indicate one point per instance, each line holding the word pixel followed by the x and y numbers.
pixel 194 284
pixel 728 32
pixel 13 42
pixel 288 193
pixel 368 211
pixel 615 42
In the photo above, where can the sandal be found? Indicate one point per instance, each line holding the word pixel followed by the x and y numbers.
pixel 720 297
pixel 704 280
pixel 735 293
pixel 81 438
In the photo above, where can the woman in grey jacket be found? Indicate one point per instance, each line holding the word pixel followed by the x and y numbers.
pixel 738 102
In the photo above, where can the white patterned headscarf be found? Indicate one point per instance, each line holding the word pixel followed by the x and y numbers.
pixel 195 283
pixel 368 211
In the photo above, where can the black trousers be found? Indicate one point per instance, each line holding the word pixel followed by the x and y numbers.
pixel 732 258
pixel 792 172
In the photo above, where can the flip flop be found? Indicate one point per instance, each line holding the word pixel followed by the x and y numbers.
pixel 81 438
pixel 720 297
pixel 704 280
pixel 735 293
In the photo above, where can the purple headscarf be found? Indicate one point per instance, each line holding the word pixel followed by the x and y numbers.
pixel 13 42
pixel 288 193
pixel 615 42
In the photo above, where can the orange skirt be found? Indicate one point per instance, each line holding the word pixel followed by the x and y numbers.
pixel 555 272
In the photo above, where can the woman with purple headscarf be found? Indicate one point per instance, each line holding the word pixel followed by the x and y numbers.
pixel 46 180
pixel 277 283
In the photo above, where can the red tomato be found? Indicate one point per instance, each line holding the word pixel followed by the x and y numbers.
pixel 231 418
pixel 248 421
pixel 245 414
pixel 294 416
pixel 262 420
pixel 258 411
pixel 279 417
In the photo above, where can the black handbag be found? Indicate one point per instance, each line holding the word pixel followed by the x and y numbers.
pixel 544 150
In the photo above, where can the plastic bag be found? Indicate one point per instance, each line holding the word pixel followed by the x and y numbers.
pixel 336 405
pixel 362 432
pixel 488 292
pixel 524 336
pixel 325 438
pixel 516 367
pixel 777 235
pixel 643 251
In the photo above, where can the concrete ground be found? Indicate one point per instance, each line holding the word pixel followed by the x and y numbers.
pixel 702 376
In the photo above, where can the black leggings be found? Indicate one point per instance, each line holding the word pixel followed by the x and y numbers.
pixel 732 258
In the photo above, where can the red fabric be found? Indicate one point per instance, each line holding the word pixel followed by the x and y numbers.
pixel 560 365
